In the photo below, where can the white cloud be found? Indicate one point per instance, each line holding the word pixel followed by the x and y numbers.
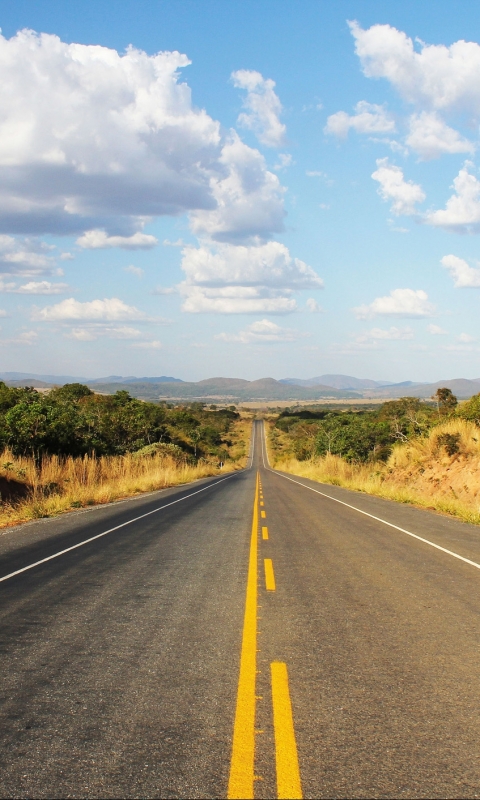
pixel 464 276
pixel 178 243
pixel 95 330
pixel 138 271
pixel 25 256
pixel 313 306
pixel 235 300
pixel 248 205
pixel 42 287
pixel 399 303
pixel 368 118
pixel 108 310
pixel 436 330
pixel 34 287
pixel 392 333
pixel 262 332
pixel 437 76
pixel 462 211
pixel 285 160
pixel 83 334
pixel 263 107
pixel 124 142
pixel 430 137
pixel 66 257
pixel 27 338
pixel 238 279
pixel 404 195
pixel 98 239
pixel 466 338
pixel 154 345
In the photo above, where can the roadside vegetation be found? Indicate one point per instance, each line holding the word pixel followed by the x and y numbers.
pixel 426 454
pixel 72 448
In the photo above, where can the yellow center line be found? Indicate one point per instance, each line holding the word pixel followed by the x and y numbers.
pixel 241 780
pixel 263 514
pixel 264 532
pixel 269 576
pixel 286 757
pixel 262 503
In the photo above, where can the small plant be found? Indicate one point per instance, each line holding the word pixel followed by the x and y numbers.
pixel 450 441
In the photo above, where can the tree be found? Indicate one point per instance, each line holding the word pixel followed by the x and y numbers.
pixel 446 400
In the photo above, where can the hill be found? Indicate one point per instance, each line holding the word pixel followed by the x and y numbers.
pixel 341 382
pixel 224 389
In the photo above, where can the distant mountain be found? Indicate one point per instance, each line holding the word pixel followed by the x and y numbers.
pixel 345 382
pixel 31 379
pixel 53 379
pixel 133 379
pixel 225 389
pixel 461 387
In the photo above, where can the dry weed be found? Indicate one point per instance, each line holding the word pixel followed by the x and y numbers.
pixel 440 472
pixel 60 484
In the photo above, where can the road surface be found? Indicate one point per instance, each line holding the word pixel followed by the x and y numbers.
pixel 255 634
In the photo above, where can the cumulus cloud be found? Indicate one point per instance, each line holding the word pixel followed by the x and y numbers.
pixel 431 137
pixel 464 276
pixel 263 107
pixel 393 187
pixel 368 118
pixel 108 310
pixel 239 279
pixel 392 333
pixel 462 211
pixel 98 239
pixel 399 303
pixel 124 141
pixel 262 332
pixel 248 207
pixel 436 76
pixel 436 330
pixel 466 338
pixel 25 256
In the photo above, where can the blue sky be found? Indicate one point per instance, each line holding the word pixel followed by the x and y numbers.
pixel 240 188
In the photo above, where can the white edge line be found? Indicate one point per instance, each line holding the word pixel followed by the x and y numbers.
pixel 116 528
pixel 378 519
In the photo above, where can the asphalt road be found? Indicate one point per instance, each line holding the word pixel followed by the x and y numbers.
pixel 184 654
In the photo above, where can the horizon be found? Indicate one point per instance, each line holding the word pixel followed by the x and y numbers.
pixel 201 203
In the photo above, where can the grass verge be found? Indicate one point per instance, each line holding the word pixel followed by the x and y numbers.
pixel 32 491
pixel 439 472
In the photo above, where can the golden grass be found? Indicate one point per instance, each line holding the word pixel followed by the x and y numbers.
pixel 419 472
pixel 62 484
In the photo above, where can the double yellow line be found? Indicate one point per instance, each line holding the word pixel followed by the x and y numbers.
pixel 242 765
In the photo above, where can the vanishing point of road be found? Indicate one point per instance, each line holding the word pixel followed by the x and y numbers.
pixel 248 635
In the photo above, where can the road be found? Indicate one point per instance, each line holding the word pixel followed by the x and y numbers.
pixel 250 635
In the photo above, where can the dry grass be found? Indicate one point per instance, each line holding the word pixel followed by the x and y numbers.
pixel 420 473
pixel 61 484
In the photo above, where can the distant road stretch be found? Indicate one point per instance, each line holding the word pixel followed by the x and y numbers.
pixel 249 635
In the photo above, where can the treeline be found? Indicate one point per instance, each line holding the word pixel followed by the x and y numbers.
pixel 364 435
pixel 73 421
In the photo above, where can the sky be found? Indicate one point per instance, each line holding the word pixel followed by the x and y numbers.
pixel 200 188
